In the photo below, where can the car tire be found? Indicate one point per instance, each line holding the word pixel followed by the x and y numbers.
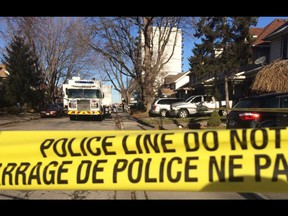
pixel 163 113
pixel 183 113
pixel 72 117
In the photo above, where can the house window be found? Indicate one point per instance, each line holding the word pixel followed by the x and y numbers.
pixel 284 47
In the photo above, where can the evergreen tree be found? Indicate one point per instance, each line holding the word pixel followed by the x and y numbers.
pixel 23 85
pixel 225 46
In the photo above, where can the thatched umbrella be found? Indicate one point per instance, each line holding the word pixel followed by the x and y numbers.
pixel 272 78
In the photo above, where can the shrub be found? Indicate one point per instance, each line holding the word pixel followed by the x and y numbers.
pixel 214 120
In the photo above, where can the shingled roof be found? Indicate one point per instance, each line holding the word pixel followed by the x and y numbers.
pixel 261 33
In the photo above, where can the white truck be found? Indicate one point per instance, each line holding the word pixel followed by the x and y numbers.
pixel 198 104
pixel 87 98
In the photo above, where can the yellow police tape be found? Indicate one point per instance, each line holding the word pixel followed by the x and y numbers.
pixel 246 160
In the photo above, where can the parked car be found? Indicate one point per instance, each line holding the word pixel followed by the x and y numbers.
pixel 161 106
pixel 198 104
pixel 250 112
pixel 51 110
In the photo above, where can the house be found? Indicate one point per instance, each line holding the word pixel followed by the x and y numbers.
pixel 261 45
pixel 173 85
pixel 278 42
pixel 3 74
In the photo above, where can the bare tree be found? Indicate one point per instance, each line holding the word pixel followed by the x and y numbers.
pixel 135 46
pixel 56 42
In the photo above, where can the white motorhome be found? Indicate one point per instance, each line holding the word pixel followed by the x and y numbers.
pixel 86 98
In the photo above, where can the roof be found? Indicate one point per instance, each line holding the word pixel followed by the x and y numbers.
pixel 261 33
pixel 172 78
pixel 281 30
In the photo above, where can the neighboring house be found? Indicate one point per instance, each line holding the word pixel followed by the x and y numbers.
pixel 3 74
pixel 261 45
pixel 279 42
pixel 173 85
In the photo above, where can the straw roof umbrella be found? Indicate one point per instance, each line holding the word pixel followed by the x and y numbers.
pixel 272 78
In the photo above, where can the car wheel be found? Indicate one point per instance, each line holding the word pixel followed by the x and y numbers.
pixel 183 113
pixel 72 117
pixel 163 113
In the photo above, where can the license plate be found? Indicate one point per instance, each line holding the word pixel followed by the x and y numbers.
pixel 231 123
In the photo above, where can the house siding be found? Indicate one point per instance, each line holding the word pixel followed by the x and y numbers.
pixel 275 50
pixel 184 80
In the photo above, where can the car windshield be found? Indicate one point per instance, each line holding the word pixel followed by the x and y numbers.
pixel 247 103
pixel 269 102
pixel 84 93
pixel 52 106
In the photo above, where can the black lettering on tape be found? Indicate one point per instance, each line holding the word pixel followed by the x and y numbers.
pixel 215 142
pixel 242 141
pixel 280 162
pixel 260 143
pixel 138 144
pixel 147 171
pixel 148 142
pixel 119 166
pixel 233 166
pixel 189 141
pixel 51 178
pixel 70 149
pixel 259 166
pixel 35 174
pixel 161 170
pixel 96 169
pixel 82 146
pixel 84 168
pixel 278 136
pixel 165 142
pixel 7 172
pixel 220 169
pixel 169 170
pixel 21 171
pixel 62 170
pixel 214 166
pixel 98 151
pixel 62 150
pixel 138 168
pixel 189 167
pixel 125 147
pixel 106 144
pixel 45 145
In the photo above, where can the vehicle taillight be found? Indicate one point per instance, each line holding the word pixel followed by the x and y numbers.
pixel 154 107
pixel 249 116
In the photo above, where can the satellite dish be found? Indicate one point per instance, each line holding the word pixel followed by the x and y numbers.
pixel 260 60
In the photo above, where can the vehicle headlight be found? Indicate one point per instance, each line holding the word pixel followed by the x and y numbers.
pixel 174 108
pixel 72 104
